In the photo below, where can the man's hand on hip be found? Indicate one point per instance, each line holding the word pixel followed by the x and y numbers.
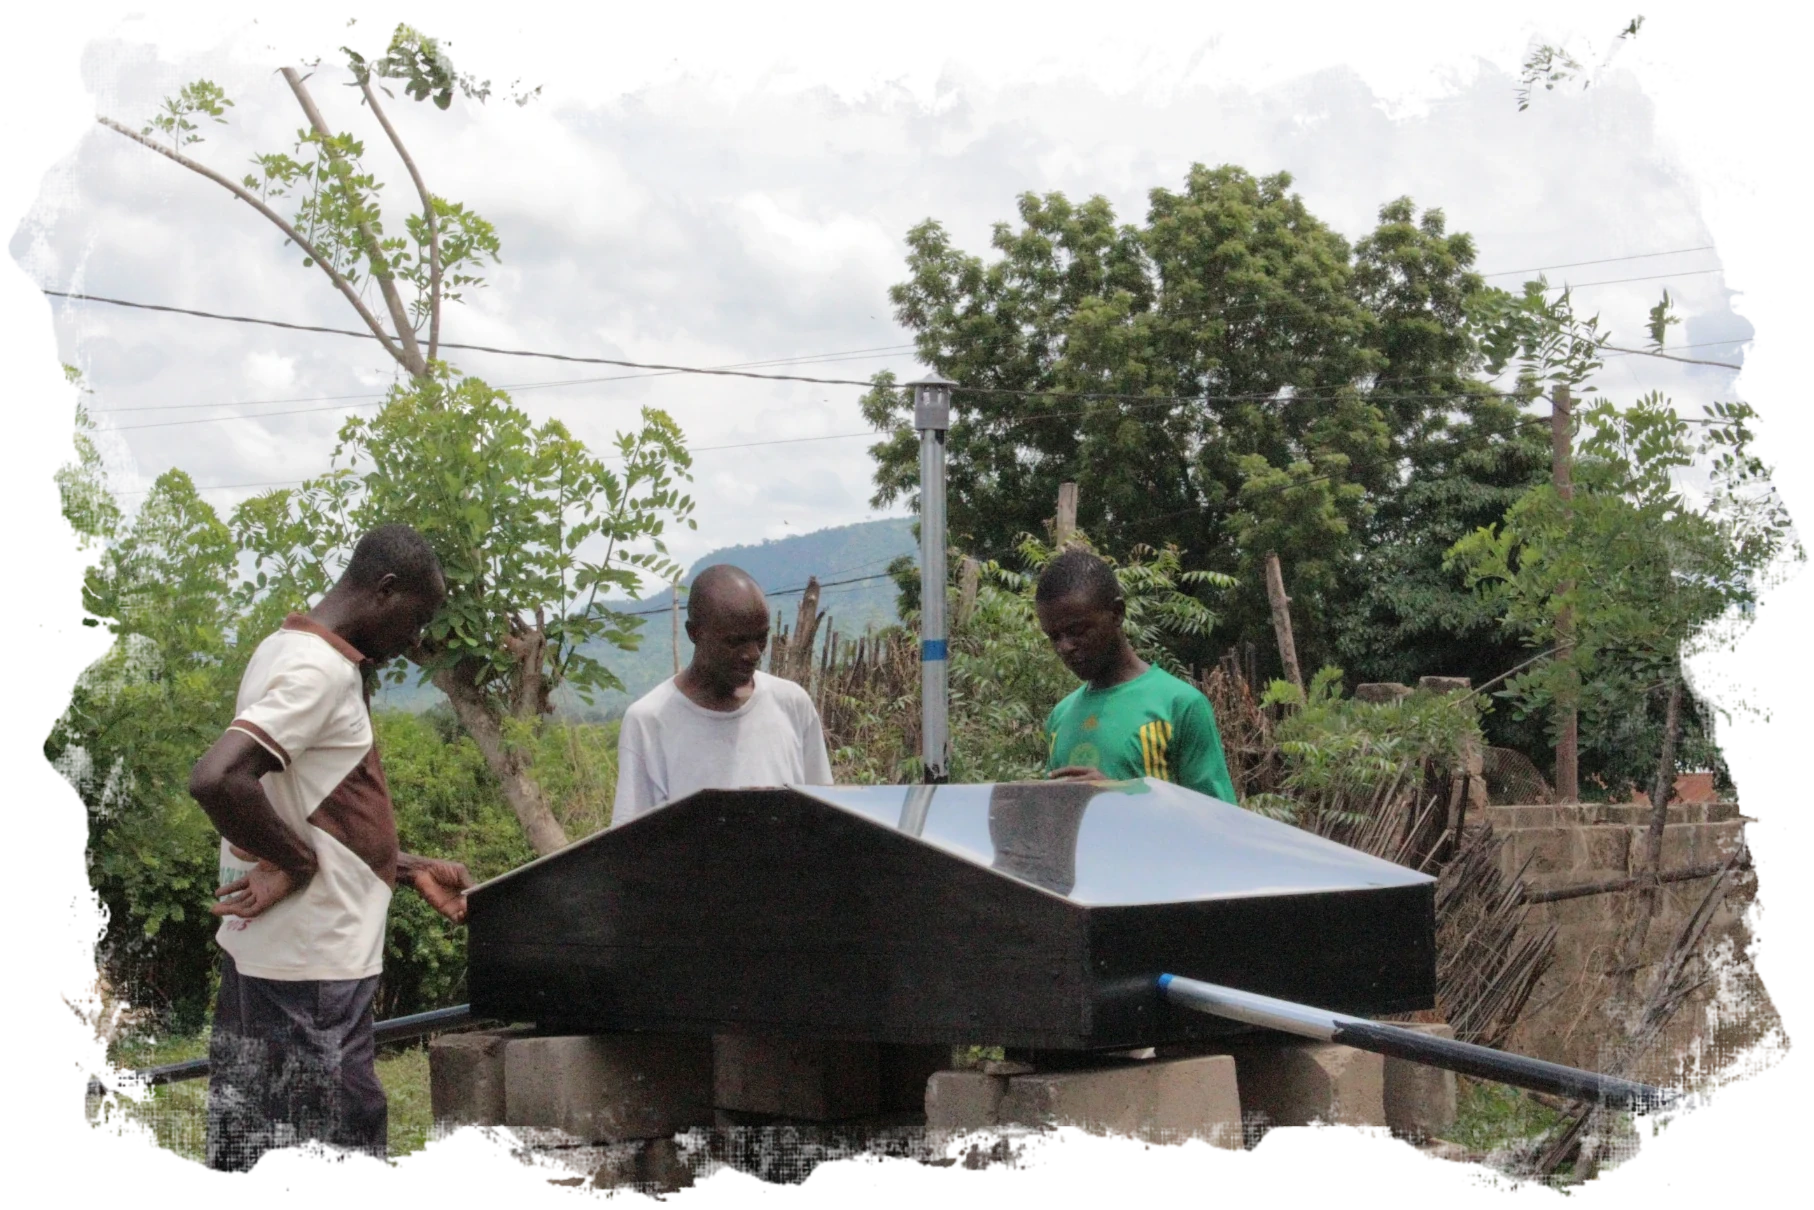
pixel 263 886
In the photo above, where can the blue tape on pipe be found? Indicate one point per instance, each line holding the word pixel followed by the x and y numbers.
pixel 1165 981
pixel 932 649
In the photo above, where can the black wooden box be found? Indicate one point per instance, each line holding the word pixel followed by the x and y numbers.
pixel 1033 915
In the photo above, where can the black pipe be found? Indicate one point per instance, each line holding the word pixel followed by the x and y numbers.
pixel 1485 1063
pixel 397 1029
pixel 1481 1062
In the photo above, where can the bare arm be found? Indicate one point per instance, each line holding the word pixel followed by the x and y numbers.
pixel 225 783
pixel 439 882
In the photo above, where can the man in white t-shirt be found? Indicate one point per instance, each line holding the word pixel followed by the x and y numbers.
pixel 721 723
pixel 308 859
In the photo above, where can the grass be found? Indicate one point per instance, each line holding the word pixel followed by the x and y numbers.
pixel 176 1114
pixel 1497 1118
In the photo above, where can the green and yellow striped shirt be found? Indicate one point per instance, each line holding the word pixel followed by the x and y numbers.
pixel 1152 726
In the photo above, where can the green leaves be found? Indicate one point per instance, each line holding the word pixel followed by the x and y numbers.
pixel 427 74
pixel 1642 569
pixel 532 530
pixel 202 98
pixel 1552 65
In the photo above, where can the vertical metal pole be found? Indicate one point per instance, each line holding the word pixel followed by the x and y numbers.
pixel 932 417
pixel 1568 742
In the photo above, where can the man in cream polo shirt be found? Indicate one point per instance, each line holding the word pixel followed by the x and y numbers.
pixel 723 723
pixel 308 859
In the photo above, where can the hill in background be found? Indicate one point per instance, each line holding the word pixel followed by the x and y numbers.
pixel 847 552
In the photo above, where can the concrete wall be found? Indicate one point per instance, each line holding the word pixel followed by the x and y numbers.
pixel 1565 1020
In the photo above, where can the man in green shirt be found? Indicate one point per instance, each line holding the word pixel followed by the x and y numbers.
pixel 1128 719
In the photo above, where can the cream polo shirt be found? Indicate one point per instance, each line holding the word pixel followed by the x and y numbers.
pixel 303 699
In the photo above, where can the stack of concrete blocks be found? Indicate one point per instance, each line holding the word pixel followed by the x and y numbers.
pixel 1157 1100
pixel 631 1093
pixel 617 1098
pixel 791 1111
pixel 1213 1096
pixel 1419 1101
pixel 663 1116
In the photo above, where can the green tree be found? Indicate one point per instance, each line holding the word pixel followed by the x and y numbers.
pixel 137 718
pixel 1250 382
pixel 533 531
pixel 1644 570
pixel 529 524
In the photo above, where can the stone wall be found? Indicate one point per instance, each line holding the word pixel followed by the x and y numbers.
pixel 1575 845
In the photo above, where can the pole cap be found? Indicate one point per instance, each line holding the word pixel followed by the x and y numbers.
pixel 932 403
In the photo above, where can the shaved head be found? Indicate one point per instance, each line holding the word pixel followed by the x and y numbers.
pixel 727 619
pixel 721 591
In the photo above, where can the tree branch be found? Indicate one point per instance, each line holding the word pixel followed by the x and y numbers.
pixel 1693 361
pixel 428 212
pixel 345 287
pixel 387 283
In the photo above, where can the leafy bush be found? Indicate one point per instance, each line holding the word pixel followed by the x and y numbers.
pixel 1346 761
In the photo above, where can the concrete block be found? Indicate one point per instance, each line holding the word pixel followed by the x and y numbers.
pixel 1420 1100
pixel 804 1151
pixel 1295 1084
pixel 1549 850
pixel 964 1100
pixel 1606 849
pixel 796 1078
pixel 904 1072
pixel 1441 1154
pixel 1159 1100
pixel 595 1174
pixel 746 1145
pixel 1718 841
pixel 466 1077
pixel 648 1165
pixel 679 1167
pixel 609 1088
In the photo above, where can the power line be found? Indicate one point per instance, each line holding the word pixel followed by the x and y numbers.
pixel 844 355
pixel 695 449
pixel 1606 260
pixel 448 344
pixel 779 592
pixel 644 365
pixel 1614 281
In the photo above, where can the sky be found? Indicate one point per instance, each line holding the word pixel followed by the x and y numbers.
pixel 676 222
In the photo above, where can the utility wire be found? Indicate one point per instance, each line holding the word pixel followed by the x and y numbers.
pixel 844 355
pixel 680 369
pixel 1606 260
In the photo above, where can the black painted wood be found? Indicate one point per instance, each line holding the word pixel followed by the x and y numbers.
pixel 778 911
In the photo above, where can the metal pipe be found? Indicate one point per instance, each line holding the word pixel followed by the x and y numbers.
pixel 932 417
pixel 396 1029
pixel 1481 1062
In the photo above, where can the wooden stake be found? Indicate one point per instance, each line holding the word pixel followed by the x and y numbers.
pixel 800 644
pixel 1281 620
pixel 969 576
pixel 1568 742
pixel 1066 524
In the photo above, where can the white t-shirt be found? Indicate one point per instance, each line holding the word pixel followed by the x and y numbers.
pixel 303 700
pixel 670 746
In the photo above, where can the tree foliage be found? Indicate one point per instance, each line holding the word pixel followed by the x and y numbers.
pixel 1644 570
pixel 531 526
pixel 1250 383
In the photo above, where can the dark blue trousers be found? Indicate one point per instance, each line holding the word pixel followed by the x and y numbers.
pixel 291 1062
